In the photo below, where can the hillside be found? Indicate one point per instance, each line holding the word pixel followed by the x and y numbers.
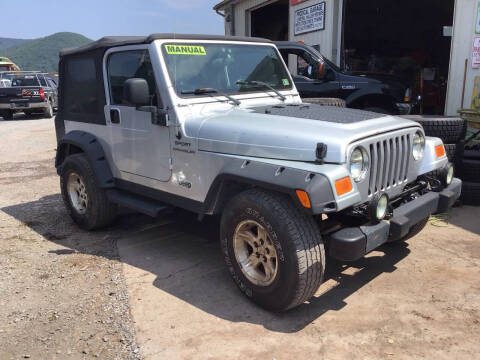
pixel 8 42
pixel 42 54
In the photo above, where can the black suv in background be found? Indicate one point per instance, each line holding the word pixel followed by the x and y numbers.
pixel 315 76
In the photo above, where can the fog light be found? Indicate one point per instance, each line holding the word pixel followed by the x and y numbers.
pixel 446 174
pixel 378 207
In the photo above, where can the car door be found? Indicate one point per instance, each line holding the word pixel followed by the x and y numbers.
pixel 304 68
pixel 140 147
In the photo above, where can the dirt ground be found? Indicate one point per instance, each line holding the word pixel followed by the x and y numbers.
pixel 158 289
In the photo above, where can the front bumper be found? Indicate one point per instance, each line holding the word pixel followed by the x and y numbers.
pixel 404 108
pixel 350 244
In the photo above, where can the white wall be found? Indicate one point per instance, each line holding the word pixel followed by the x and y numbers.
pixel 328 39
pixel 462 41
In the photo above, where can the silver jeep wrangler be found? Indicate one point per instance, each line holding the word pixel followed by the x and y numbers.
pixel 216 126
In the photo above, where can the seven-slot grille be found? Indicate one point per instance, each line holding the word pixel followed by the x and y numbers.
pixel 389 161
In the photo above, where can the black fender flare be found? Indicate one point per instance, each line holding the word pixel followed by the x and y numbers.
pixel 240 174
pixel 83 142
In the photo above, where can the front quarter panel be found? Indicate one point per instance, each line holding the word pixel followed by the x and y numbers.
pixel 430 161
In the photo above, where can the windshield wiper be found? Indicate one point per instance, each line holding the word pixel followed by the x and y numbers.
pixel 262 84
pixel 209 92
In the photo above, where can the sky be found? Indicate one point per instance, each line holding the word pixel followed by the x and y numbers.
pixel 97 18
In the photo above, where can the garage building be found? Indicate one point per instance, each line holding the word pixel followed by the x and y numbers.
pixel 428 42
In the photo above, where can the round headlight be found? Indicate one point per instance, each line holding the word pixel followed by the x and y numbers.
pixel 358 164
pixel 418 145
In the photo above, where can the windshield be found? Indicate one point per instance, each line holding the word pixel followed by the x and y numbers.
pixel 27 80
pixel 221 66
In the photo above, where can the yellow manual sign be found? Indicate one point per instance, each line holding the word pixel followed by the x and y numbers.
pixel 185 50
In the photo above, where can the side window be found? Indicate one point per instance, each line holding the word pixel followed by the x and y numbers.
pixel 81 82
pixel 41 78
pixel 125 65
pixel 306 65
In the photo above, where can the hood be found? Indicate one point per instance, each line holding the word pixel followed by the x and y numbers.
pixel 380 77
pixel 288 132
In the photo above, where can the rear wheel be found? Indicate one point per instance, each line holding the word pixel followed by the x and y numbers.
pixel 85 202
pixel 8 115
pixel 272 249
pixel 48 111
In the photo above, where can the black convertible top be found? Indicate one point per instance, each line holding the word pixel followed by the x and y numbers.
pixel 112 41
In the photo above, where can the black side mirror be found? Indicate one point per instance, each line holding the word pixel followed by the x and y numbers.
pixel 136 92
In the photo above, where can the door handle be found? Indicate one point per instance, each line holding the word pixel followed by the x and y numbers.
pixel 115 116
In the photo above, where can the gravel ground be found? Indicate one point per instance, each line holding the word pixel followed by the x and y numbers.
pixel 62 290
pixel 158 289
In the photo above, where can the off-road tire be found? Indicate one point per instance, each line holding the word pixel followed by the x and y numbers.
pixel 325 101
pixel 100 212
pixel 48 111
pixel 451 150
pixel 472 154
pixel 414 230
pixel 450 130
pixel 471 170
pixel 297 241
pixel 8 115
pixel 470 193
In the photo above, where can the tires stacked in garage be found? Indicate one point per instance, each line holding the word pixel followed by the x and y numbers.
pixel 452 130
pixel 470 174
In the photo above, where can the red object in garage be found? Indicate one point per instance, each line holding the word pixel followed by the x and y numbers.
pixel 296 2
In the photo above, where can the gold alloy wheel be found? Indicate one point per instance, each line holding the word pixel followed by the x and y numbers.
pixel 255 253
pixel 77 193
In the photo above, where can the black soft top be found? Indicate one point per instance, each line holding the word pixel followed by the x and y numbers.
pixel 112 41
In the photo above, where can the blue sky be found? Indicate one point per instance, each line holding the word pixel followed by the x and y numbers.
pixel 96 18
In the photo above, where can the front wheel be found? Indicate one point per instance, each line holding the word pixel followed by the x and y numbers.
pixel 272 249
pixel 86 203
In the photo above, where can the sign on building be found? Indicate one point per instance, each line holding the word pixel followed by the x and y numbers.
pixel 476 53
pixel 309 19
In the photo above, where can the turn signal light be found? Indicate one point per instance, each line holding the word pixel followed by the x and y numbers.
pixel 304 199
pixel 343 186
pixel 440 151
